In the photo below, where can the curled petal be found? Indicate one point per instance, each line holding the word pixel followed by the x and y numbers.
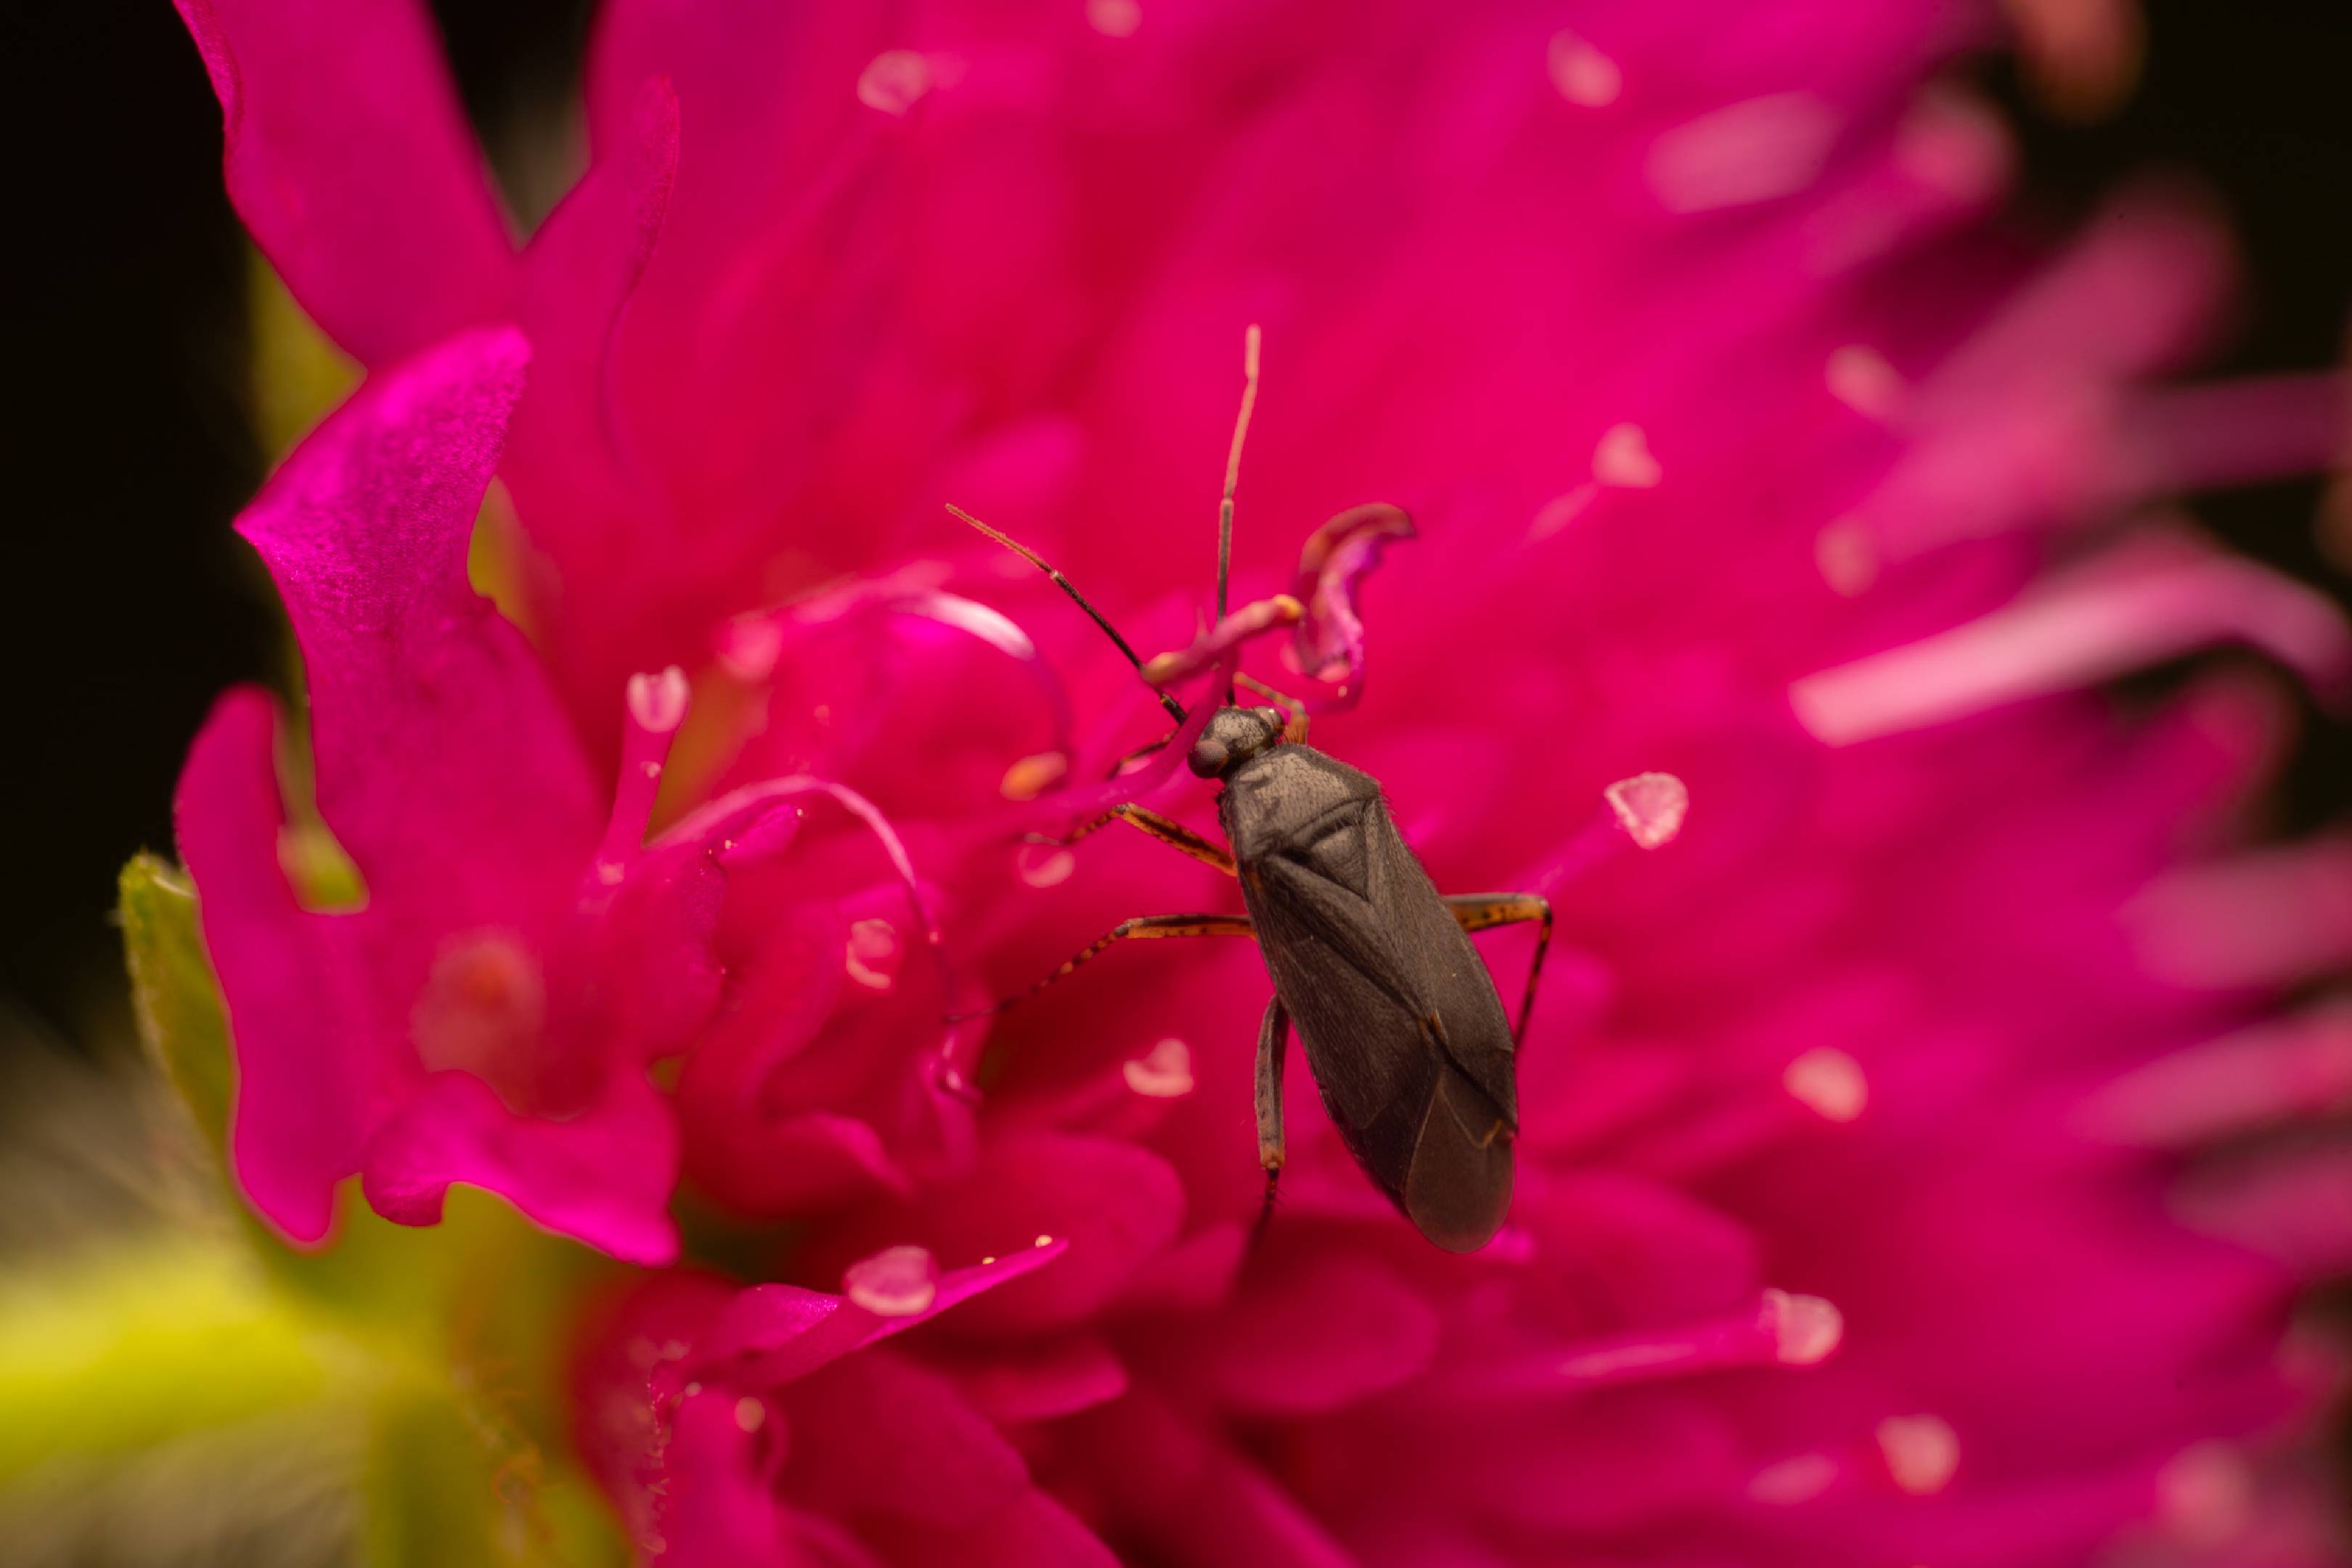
pixel 604 1176
pixel 445 766
pixel 302 1114
pixel 1330 638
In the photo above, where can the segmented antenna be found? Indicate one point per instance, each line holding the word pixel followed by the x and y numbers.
pixel 1175 709
pixel 1234 468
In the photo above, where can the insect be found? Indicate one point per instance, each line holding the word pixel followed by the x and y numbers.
pixel 1404 1033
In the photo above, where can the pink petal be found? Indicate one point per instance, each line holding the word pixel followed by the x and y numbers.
pixel 1310 1337
pixel 573 461
pixel 889 1437
pixel 1032 1530
pixel 302 1113
pixel 771 1334
pixel 1039 1382
pixel 350 160
pixel 1115 1205
pixel 445 766
pixel 715 1507
pixel 604 1176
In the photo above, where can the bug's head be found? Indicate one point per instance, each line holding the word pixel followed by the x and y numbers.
pixel 1234 736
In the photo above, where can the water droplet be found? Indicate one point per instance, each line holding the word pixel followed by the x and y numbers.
pixel 750 1414
pixel 1922 1452
pixel 1044 1241
pixel 1650 808
pixel 1804 1328
pixel 1163 1072
pixel 1044 865
pixel 987 1260
pixel 1622 459
pixel 1032 776
pixel 1582 74
pixel 658 702
pixel 1114 18
pixel 873 958
pixel 1797 1479
pixel 1829 1082
pixel 893 81
pixel 896 1282
pixel 1860 377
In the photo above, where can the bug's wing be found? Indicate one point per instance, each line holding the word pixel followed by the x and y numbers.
pixel 1408 1042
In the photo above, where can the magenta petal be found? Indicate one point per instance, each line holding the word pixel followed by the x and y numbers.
pixel 301 1113
pixel 771 1334
pixel 889 1437
pixel 350 161
pixel 1330 638
pixel 572 462
pixel 1041 1382
pixel 1315 1337
pixel 1117 1206
pixel 604 1176
pixel 445 766
pixel 1033 1531
pixel 713 1508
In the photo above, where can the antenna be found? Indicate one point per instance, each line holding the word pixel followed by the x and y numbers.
pixel 1175 709
pixel 1234 468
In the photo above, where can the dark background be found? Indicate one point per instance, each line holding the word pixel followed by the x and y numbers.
pixel 127 604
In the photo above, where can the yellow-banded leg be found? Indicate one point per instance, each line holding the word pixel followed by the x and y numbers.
pixel 1142 927
pixel 1151 824
pixel 1477 911
pixel 1273 1046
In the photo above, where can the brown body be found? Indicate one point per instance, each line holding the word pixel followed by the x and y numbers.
pixel 1408 1042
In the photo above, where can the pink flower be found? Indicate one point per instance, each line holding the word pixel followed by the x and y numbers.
pixel 1750 478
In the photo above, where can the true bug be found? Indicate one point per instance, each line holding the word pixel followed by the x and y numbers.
pixel 1411 1051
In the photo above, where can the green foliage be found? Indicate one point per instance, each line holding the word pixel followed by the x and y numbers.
pixel 439 1349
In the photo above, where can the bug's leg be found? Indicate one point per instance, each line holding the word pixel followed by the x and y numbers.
pixel 1137 755
pixel 1137 928
pixel 1168 831
pixel 1273 1044
pixel 1476 912
pixel 1294 731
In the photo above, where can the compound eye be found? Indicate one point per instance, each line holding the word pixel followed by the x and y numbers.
pixel 1209 757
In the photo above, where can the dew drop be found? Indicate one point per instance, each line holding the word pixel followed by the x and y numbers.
pixel 1828 1082
pixel 750 1414
pixel 1044 865
pixel 1922 1452
pixel 1114 18
pixel 1044 1241
pixel 896 1282
pixel 893 81
pixel 1622 459
pixel 873 957
pixel 1581 73
pixel 1805 1328
pixel 1650 808
pixel 1163 1072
